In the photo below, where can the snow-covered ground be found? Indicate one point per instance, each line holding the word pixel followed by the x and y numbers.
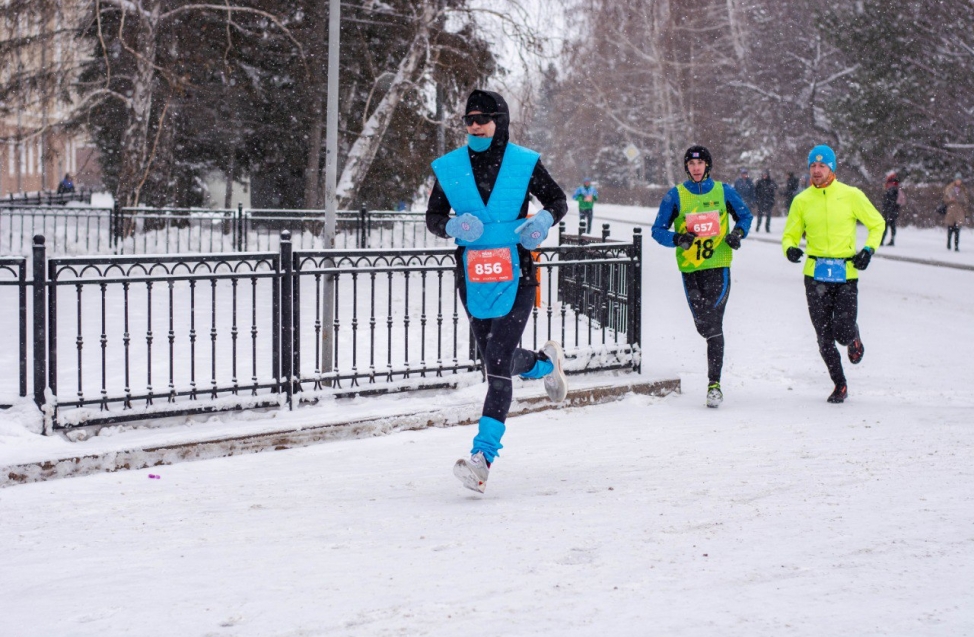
pixel 777 514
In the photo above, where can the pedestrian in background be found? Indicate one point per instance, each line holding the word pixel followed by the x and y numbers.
pixel 893 200
pixel 764 193
pixel 745 188
pixel 791 189
pixel 66 186
pixel 586 195
pixel 956 200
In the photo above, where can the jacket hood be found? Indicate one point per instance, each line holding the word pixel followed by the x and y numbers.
pixel 491 102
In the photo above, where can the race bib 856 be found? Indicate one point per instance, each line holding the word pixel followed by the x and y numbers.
pixel 489 266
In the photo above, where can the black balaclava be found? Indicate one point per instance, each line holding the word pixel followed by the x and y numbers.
pixel 698 152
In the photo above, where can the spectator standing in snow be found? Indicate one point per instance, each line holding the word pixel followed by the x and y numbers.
pixel 955 198
pixel 764 193
pixel 487 183
pixel 791 189
pixel 586 195
pixel 698 209
pixel 826 215
pixel 66 186
pixel 893 199
pixel 745 188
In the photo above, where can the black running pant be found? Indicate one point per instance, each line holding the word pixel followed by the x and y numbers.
pixel 891 228
pixel 707 292
pixel 764 212
pixel 955 231
pixel 833 308
pixel 497 340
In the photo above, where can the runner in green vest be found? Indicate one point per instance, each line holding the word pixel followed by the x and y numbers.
pixel 698 209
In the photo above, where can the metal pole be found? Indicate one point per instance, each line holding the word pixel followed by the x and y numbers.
pixel 331 179
pixel 39 265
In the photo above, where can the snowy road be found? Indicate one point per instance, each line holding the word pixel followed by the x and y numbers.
pixel 776 514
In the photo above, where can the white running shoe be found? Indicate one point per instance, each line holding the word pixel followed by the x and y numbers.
pixel 473 472
pixel 555 383
pixel 714 395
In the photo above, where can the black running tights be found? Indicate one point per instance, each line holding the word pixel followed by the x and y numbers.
pixel 833 308
pixel 707 292
pixel 497 339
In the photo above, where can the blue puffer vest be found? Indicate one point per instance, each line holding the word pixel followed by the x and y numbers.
pixel 499 216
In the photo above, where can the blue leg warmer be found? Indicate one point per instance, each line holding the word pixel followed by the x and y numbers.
pixel 488 438
pixel 541 368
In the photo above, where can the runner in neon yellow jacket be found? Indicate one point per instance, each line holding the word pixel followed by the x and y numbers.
pixel 826 214
pixel 827 217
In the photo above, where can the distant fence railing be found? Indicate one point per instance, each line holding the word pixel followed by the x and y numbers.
pixel 129 337
pixel 92 230
pixel 45 198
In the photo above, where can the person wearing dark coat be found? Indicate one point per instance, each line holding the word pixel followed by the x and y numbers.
pixel 791 189
pixel 66 186
pixel 764 192
pixel 891 207
pixel 487 184
pixel 744 186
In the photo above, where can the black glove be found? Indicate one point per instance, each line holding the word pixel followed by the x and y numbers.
pixel 734 238
pixel 684 240
pixel 861 260
pixel 794 254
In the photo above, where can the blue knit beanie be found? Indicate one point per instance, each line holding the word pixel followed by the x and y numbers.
pixel 823 154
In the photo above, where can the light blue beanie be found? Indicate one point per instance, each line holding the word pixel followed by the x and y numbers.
pixel 823 154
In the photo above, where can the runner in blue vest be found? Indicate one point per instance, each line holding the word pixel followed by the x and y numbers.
pixel 487 184
pixel 699 209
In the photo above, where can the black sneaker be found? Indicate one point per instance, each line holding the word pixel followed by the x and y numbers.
pixel 856 350
pixel 838 394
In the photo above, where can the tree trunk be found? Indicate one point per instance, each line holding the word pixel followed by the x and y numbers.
pixel 367 144
pixel 135 139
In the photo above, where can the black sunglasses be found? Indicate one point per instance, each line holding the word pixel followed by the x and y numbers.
pixel 479 118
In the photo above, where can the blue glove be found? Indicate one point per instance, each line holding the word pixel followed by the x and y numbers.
pixel 534 230
pixel 466 227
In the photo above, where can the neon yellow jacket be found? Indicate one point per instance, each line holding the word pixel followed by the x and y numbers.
pixel 827 217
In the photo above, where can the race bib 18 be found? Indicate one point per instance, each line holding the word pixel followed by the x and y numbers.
pixel 489 266
pixel 704 224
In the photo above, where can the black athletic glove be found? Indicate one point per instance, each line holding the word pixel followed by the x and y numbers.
pixel 861 260
pixel 684 240
pixel 794 254
pixel 734 238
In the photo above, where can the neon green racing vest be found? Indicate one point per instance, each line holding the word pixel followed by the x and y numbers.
pixel 705 253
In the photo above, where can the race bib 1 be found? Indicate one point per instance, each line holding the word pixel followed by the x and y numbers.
pixel 704 224
pixel 830 270
pixel 489 266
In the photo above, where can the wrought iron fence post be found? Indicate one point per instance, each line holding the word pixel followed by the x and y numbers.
pixel 636 292
pixel 40 320
pixel 22 285
pixel 287 317
pixel 238 229
pixel 605 232
pixel 363 231
pixel 116 225
pixel 561 232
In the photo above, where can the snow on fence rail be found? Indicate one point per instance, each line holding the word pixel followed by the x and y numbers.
pixel 139 336
pixel 92 230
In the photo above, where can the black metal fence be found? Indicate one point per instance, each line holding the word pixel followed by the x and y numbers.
pixel 46 198
pixel 13 335
pixel 91 230
pixel 130 337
